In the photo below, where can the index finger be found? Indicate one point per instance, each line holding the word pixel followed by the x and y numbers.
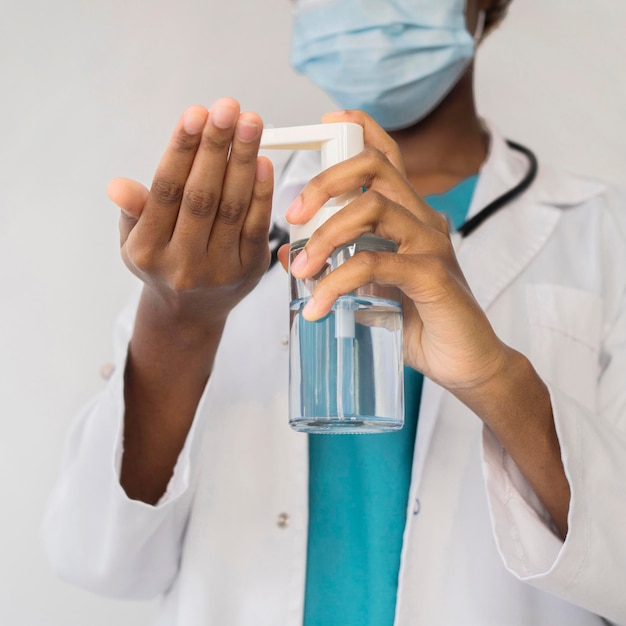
pixel 160 213
pixel 373 134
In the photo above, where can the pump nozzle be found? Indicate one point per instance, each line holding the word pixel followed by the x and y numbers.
pixel 336 142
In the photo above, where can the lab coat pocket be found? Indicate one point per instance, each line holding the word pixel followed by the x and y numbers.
pixel 565 338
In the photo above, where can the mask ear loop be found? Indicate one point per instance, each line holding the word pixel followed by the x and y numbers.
pixel 480 27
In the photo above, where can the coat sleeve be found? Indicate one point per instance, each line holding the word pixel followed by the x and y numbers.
pixel 588 392
pixel 95 536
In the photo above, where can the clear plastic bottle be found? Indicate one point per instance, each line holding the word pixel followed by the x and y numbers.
pixel 346 373
pixel 346 370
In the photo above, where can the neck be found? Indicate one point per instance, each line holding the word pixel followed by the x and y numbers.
pixel 448 145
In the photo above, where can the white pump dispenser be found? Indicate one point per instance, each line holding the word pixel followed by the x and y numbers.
pixel 336 143
pixel 345 377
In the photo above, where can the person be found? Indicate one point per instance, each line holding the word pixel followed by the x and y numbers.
pixel 502 499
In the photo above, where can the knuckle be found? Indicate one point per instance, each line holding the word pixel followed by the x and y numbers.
pixel 315 185
pixel 230 212
pixel 256 235
pixel 245 158
pixel 375 157
pixel 368 258
pixel 368 261
pixel 374 206
pixel 443 243
pixel 374 154
pixel 394 146
pixel 142 257
pixel 263 195
pixel 167 191
pixel 215 143
pixel 374 200
pixel 185 144
pixel 442 223
pixel 200 204
pixel 373 160
pixel 126 224
pixel 182 280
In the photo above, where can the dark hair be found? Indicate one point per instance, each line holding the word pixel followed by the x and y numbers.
pixel 495 14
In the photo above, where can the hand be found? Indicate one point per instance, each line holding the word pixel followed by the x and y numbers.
pixel 199 242
pixel 199 238
pixel 446 334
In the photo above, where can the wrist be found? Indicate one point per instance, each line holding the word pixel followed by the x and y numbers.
pixel 188 319
pixel 512 384
pixel 167 345
pixel 516 406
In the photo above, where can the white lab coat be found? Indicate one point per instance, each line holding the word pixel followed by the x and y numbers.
pixel 227 542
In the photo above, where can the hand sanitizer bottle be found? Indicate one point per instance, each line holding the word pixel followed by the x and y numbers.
pixel 345 370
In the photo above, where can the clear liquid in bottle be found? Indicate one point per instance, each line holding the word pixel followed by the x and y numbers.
pixel 346 370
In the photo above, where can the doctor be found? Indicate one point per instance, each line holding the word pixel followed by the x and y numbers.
pixel 505 508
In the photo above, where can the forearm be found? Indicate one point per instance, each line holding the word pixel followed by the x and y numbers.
pixel 169 361
pixel 516 406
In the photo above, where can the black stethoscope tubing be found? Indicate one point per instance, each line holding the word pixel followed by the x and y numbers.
pixel 278 236
pixel 486 212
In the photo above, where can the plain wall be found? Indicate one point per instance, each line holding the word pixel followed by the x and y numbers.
pixel 91 90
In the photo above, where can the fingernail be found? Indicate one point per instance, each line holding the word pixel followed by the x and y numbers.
pixel 247 130
pixel 333 114
pixel 309 309
pixel 193 120
pixel 223 116
pixel 263 170
pixel 294 209
pixel 299 263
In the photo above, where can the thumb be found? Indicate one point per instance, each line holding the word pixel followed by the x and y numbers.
pixel 130 196
pixel 283 256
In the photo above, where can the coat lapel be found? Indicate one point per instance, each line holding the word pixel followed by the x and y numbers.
pixel 505 244
pixel 497 252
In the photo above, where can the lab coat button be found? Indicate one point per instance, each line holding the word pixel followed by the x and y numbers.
pixel 283 520
pixel 417 507
pixel 284 341
pixel 106 371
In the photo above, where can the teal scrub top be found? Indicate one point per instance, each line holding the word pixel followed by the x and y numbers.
pixel 358 495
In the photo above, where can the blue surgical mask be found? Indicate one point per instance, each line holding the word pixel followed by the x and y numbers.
pixel 394 59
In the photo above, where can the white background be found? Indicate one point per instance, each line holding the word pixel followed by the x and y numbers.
pixel 91 90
